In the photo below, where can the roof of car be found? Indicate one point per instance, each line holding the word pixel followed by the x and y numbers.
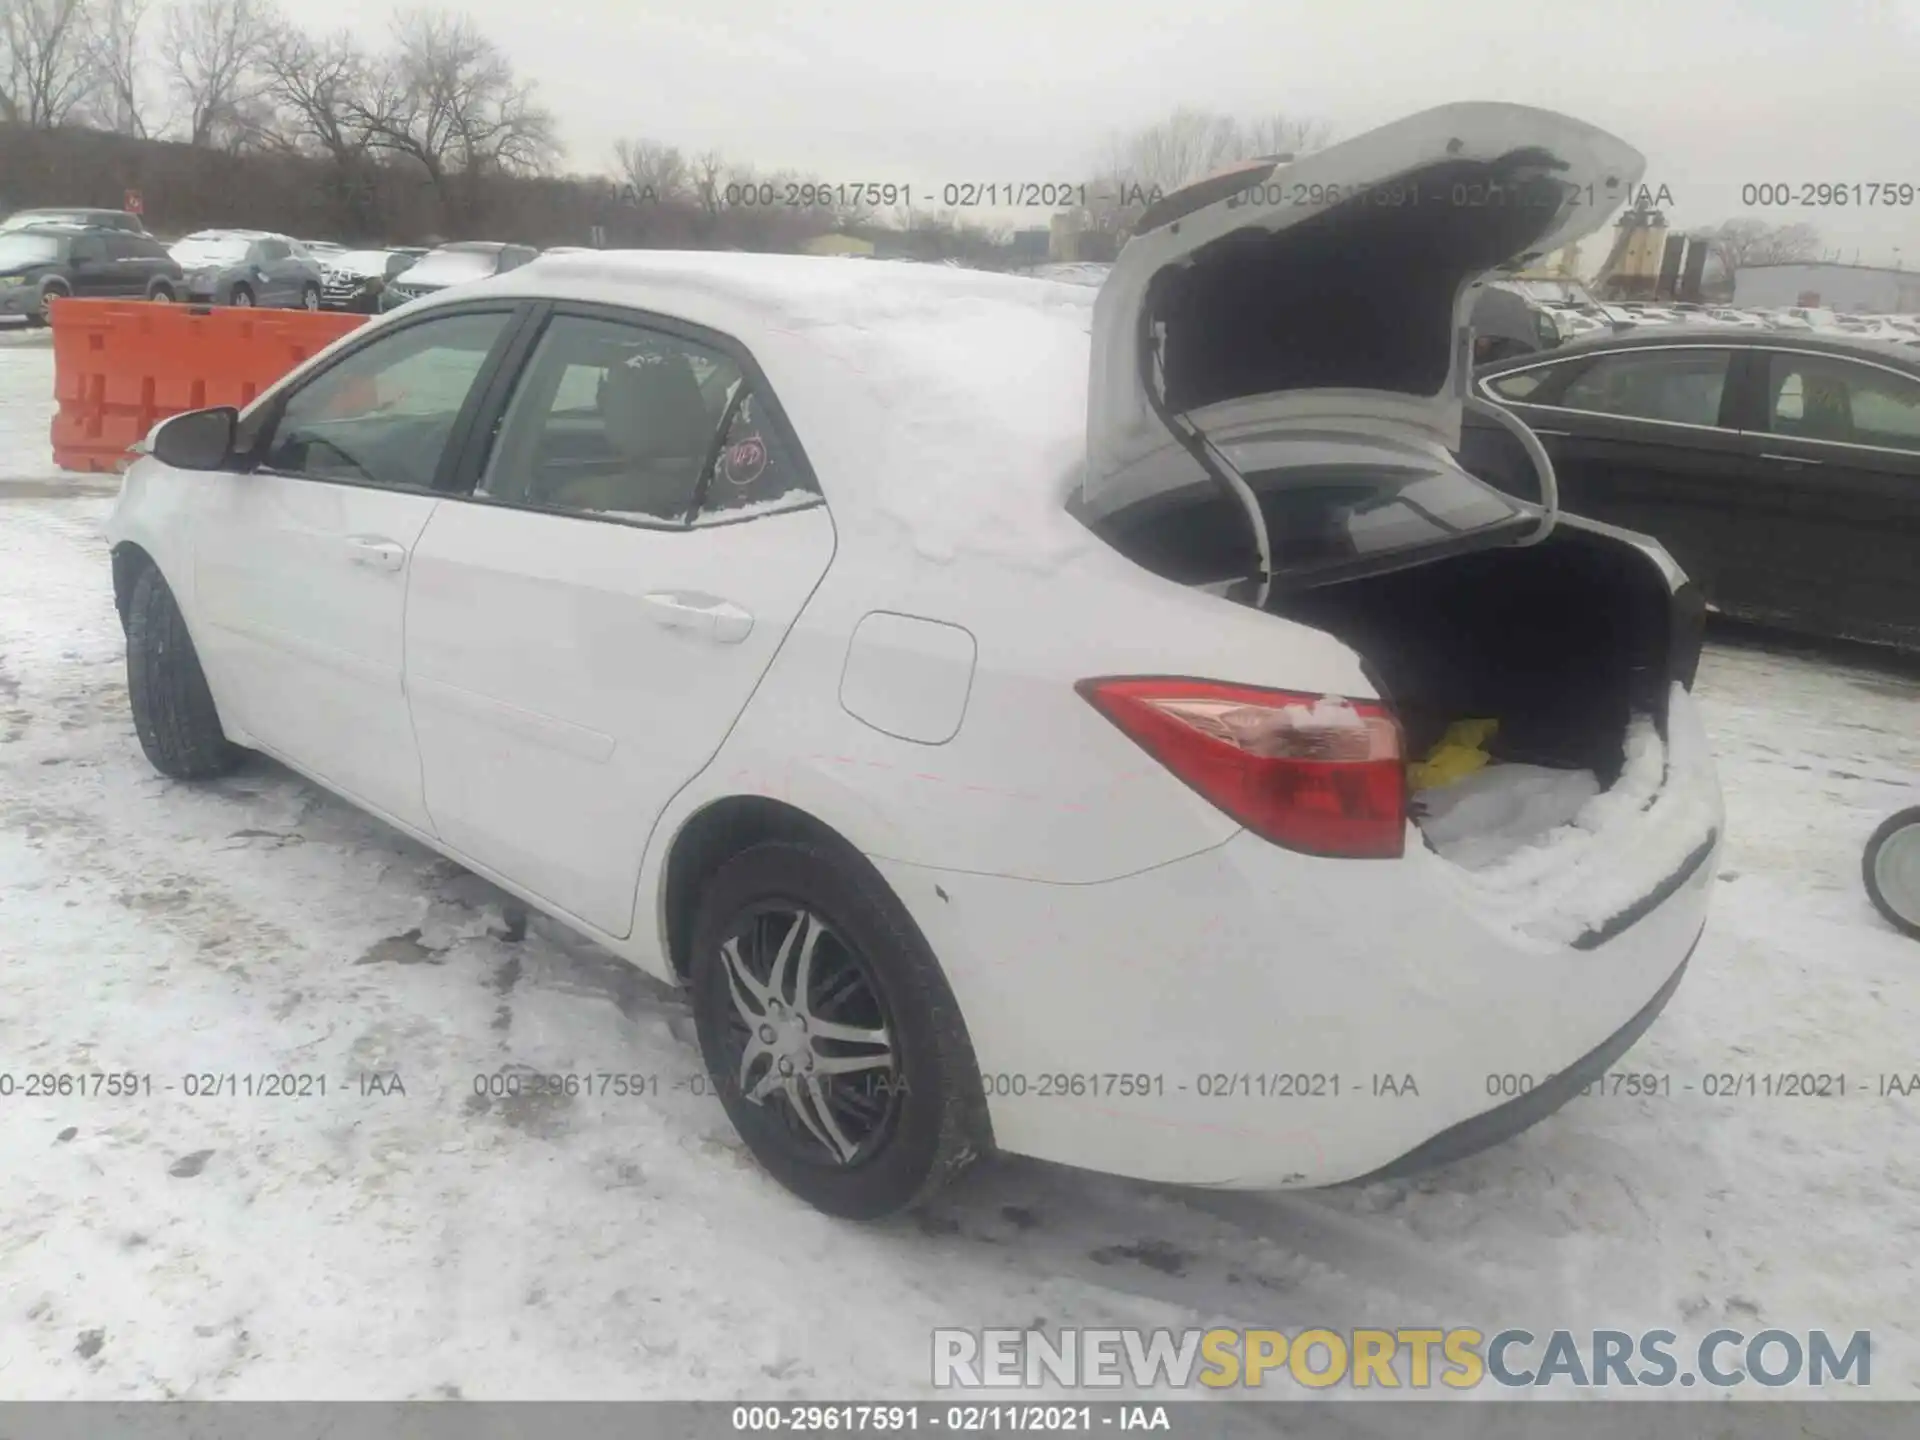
pixel 236 235
pixel 1695 333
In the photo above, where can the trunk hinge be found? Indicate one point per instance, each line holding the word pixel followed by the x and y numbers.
pixel 1256 586
pixel 1472 399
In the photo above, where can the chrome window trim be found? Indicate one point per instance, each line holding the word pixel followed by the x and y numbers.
pixel 1486 387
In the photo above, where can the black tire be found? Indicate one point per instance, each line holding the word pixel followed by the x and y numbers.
pixel 242 295
pixel 162 293
pixel 173 710
pixel 935 1118
pixel 50 292
pixel 310 297
pixel 1908 821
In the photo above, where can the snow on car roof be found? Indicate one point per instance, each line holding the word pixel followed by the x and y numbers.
pixel 952 401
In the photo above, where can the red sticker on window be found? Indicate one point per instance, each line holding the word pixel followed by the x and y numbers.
pixel 744 461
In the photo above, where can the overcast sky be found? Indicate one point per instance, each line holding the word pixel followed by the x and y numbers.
pixel 1716 93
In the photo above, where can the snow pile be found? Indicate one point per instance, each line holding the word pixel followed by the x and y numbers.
pixel 986 409
pixel 1559 858
pixel 1484 817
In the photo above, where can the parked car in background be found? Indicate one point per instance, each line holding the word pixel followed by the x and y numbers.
pixel 1507 322
pixel 42 263
pixel 356 279
pixel 1781 468
pixel 248 267
pixel 81 215
pixel 321 249
pixel 458 264
pixel 596 578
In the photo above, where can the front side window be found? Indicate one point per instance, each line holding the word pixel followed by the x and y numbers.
pixel 272 250
pixel 1817 397
pixel 611 419
pixel 385 414
pixel 1680 386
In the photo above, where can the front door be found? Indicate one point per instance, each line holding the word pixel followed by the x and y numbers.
pixel 301 563
pixel 584 630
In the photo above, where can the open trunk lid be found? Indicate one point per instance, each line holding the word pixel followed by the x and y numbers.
pixel 1332 294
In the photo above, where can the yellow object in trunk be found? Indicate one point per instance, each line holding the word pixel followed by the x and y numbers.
pixel 1461 751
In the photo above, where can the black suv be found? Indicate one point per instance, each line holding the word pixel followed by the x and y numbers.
pixel 43 262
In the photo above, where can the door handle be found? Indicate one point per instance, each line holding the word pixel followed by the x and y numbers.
pixel 379 554
pixel 706 615
pixel 1790 459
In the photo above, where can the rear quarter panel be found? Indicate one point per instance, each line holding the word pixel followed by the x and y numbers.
pixel 1035 784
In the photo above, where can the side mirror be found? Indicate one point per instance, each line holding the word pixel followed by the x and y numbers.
pixel 197 439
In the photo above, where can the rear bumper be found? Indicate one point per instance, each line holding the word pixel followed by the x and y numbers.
pixel 20 300
pixel 1251 1018
pixel 1503 1122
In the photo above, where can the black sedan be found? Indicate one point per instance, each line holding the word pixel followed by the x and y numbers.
pixel 1782 470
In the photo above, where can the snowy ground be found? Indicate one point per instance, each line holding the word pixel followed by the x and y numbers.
pixel 432 1243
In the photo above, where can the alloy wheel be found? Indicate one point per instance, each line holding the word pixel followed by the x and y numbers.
pixel 808 1038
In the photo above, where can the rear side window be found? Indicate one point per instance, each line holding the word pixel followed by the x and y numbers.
pixel 1679 386
pixel 274 250
pixel 756 470
pixel 1814 397
pixel 1519 386
pixel 610 419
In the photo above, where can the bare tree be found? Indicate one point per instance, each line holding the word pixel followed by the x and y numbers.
pixel 211 54
pixel 448 99
pixel 647 168
pixel 113 53
pixel 45 70
pixel 320 88
pixel 1187 145
pixel 1747 241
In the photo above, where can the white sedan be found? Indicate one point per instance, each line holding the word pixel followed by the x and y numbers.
pixel 996 704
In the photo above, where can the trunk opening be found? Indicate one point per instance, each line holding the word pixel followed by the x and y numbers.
pixel 1563 643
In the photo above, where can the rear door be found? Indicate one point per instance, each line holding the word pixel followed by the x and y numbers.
pixel 584 629
pixel 127 262
pixel 94 273
pixel 1645 438
pixel 283 273
pixel 1835 469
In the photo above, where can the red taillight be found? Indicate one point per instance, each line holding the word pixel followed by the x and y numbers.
pixel 1314 773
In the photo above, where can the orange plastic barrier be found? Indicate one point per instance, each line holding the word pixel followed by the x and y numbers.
pixel 120 366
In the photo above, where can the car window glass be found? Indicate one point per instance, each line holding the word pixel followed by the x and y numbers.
pixel 755 470
pixel 1817 397
pixel 1682 386
pixel 383 416
pixel 86 249
pixel 610 419
pixel 274 250
pixel 1518 387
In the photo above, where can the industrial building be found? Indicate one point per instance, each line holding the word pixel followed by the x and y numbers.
pixel 1851 289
